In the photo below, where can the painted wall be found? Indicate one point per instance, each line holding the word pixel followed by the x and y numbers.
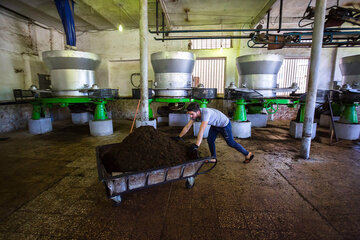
pixel 21 44
pixel 121 56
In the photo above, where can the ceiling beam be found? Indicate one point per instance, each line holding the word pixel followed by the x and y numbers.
pixel 125 12
pixel 167 17
pixel 32 13
pixel 262 13
pixel 91 16
pixel 107 9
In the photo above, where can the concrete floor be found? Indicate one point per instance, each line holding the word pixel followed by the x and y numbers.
pixel 49 190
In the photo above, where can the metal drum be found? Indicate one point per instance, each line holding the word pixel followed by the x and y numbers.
pixel 350 69
pixel 259 71
pixel 173 73
pixel 71 71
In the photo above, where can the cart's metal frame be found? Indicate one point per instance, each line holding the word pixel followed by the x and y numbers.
pixel 105 177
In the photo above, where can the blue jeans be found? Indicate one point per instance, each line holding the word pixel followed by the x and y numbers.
pixel 227 134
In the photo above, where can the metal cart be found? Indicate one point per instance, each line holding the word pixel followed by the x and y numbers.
pixel 118 184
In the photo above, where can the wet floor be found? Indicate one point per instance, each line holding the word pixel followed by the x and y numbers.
pixel 49 190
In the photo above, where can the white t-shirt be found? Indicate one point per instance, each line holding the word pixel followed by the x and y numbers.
pixel 214 117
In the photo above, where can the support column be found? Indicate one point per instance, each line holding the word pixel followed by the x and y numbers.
pixel 241 128
pixel 349 115
pixel 36 112
pixel 240 111
pixel 38 124
pixel 100 111
pixel 101 125
pixel 144 108
pixel 203 103
pixel 302 112
pixel 318 33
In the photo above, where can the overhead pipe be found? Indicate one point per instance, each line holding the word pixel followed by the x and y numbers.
pixel 163 26
pixel 250 37
pixel 167 18
pixel 318 35
pixel 157 17
pixel 280 15
pixel 144 107
pixel 207 37
pixel 255 30
pixel 268 22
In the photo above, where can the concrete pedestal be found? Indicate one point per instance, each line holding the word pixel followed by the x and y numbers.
pixel 241 129
pixel 178 119
pixel 80 118
pixel 145 123
pixel 347 131
pixel 40 126
pixel 196 127
pixel 90 116
pixel 296 129
pixel 162 119
pixel 325 120
pixel 257 120
pixel 101 128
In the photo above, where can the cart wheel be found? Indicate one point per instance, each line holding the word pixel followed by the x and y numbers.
pixel 117 199
pixel 190 182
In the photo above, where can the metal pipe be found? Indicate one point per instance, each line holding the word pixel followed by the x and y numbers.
pixel 208 37
pixel 254 30
pixel 320 11
pixel 280 15
pixel 157 17
pixel 144 107
pixel 164 10
pixel 268 22
pixel 163 26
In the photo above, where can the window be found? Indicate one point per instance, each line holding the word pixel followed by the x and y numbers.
pixel 210 72
pixel 293 70
pixel 210 43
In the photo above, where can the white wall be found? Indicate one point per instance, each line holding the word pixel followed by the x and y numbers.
pixel 21 44
pixel 118 48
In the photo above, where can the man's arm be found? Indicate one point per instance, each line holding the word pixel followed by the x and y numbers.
pixel 201 132
pixel 186 128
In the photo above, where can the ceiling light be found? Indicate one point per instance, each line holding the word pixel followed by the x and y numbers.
pixel 120 28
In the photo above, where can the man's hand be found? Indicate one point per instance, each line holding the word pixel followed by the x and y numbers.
pixel 177 138
pixel 193 151
pixel 193 147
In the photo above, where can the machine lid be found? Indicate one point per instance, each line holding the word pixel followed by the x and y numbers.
pixel 350 65
pixel 172 55
pixel 69 59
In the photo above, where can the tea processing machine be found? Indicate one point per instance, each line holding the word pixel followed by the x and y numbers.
pixel 173 85
pixel 73 85
pixel 348 127
pixel 257 91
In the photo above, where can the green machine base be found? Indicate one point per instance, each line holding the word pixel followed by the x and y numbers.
pixel 40 104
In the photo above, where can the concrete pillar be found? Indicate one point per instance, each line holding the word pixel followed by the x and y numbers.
pixel 318 33
pixel 144 107
pixel 27 71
